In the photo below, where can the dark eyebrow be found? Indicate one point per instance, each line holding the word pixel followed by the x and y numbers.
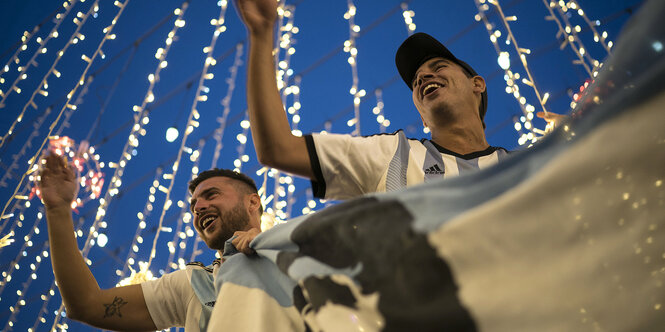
pixel 203 193
pixel 431 65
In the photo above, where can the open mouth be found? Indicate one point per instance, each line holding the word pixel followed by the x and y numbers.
pixel 207 220
pixel 430 88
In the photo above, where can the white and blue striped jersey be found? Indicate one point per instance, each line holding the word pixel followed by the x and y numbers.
pixel 345 166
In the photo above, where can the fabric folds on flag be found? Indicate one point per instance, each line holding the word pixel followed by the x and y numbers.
pixel 568 235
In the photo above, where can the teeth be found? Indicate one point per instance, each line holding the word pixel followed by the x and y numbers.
pixel 430 87
pixel 206 221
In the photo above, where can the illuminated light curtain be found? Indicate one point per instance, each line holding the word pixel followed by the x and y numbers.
pixel 108 35
pixel 141 225
pixel 180 236
pixel 192 123
pixel 16 262
pixel 42 87
pixel 140 119
pixel 350 47
pixel 226 103
pixel 408 18
pixel 41 50
pixel 532 133
pixel 20 302
pixel 559 13
pixel 27 36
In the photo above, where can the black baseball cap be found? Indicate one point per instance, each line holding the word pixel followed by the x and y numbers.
pixel 419 48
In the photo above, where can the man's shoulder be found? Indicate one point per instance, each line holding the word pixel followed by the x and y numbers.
pixel 396 133
pixel 200 266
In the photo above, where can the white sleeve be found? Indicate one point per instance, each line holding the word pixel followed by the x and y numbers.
pixel 345 166
pixel 167 299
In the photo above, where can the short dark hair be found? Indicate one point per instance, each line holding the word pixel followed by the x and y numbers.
pixel 249 184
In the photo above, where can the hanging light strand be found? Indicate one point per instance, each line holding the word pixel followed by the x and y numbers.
pixel 378 111
pixel 41 50
pixel 242 143
pixel 27 36
pixel 70 110
pixel 46 299
pixel 141 225
pixel 42 88
pixel 15 264
pixel 140 119
pixel 512 78
pixel 24 149
pixel 569 36
pixel 286 41
pixel 226 103
pixel 559 13
pixel 180 237
pixel 597 37
pixel 408 18
pixel 20 302
pixel 193 115
pixel 33 160
pixel 350 47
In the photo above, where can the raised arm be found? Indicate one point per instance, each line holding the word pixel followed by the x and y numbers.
pixel 275 145
pixel 120 308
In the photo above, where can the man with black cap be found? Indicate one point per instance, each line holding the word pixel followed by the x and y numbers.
pixel 449 95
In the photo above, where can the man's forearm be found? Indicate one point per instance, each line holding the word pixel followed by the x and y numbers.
pixel 75 281
pixel 271 131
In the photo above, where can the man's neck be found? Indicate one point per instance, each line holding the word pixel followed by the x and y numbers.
pixel 461 139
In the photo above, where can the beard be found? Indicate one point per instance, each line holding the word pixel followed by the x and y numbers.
pixel 235 219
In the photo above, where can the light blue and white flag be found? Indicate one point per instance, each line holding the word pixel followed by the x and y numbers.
pixel 566 236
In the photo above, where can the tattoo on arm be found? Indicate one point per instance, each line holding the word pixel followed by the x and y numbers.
pixel 113 309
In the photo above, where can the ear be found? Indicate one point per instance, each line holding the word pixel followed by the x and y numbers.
pixel 478 84
pixel 254 202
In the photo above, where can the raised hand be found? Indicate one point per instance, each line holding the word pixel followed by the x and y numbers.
pixel 553 119
pixel 58 183
pixel 258 15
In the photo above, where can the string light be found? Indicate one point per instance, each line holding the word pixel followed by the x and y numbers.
pixel 45 298
pixel 378 111
pixel 219 132
pixel 15 264
pixel 191 121
pixel 141 225
pixel 560 13
pixel 6 240
pixel 226 103
pixel 108 32
pixel 42 86
pixel 597 37
pixel 408 18
pixel 20 302
pixel 65 106
pixel 180 237
pixel 41 50
pixel 513 78
pixel 27 36
pixel 242 139
pixel 569 36
pixel 350 47
pixel 24 149
pixel 140 119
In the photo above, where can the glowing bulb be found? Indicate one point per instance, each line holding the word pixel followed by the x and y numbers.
pixel 102 240
pixel 171 134
pixel 504 60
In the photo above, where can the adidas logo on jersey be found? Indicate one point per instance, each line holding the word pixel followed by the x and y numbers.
pixel 434 170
